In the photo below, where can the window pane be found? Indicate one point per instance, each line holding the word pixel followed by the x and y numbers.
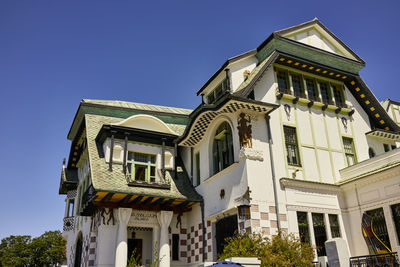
pixel 324 92
pixel 222 147
pixel 334 223
pixel 311 90
pixel 379 225
pixel 152 171
pixel 140 172
pixel 292 153
pixel 211 98
pixel 303 227
pixel 396 218
pixel 320 233
pixel 386 147
pixel 140 157
pixel 338 94
pixel 297 83
pixel 282 81
pixel 71 208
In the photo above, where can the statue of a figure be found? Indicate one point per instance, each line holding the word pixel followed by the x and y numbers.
pixel 244 128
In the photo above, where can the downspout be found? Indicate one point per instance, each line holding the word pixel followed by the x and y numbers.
pixel 271 157
pixel 204 229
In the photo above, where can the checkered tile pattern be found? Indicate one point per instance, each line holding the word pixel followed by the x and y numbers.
pixel 92 249
pixel 263 220
pixel 200 125
pixel 195 243
pixel 71 194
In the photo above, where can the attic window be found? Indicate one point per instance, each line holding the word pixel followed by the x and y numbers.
pixel 142 167
pixel 217 92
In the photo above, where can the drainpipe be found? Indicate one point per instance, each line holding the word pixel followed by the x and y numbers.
pixel 204 229
pixel 271 156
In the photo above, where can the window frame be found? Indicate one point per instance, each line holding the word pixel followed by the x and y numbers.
pixel 197 170
pixel 348 153
pixel 131 164
pixel 294 144
pixel 217 92
pixel 219 161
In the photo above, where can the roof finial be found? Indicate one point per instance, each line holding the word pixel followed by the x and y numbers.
pixel 315 18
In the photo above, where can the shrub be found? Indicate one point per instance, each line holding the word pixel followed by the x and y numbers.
pixel 282 250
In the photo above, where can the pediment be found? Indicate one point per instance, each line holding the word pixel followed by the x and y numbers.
pixel 315 34
pixel 146 122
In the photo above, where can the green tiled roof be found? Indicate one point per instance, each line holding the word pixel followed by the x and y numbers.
pixel 138 106
pixel 114 181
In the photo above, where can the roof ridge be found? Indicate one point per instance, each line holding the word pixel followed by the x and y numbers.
pixel 130 104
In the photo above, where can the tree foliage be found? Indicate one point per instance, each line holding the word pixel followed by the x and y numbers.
pixel 47 249
pixel 281 250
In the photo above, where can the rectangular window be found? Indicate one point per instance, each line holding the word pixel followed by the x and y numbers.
pixel 292 150
pixel 142 167
pixel 244 212
pixel 349 151
pixel 396 218
pixel 217 92
pixel 338 95
pixel 175 247
pixel 386 147
pixel 319 232
pixel 303 227
pixel 379 225
pixel 312 90
pixel 282 82
pixel 297 84
pixel 71 208
pixel 334 223
pixel 324 88
pixel 197 168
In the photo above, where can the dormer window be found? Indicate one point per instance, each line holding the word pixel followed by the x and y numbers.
pixel 217 92
pixel 142 167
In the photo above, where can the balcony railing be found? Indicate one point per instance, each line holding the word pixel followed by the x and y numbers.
pixel 68 223
pixel 87 201
pixel 382 260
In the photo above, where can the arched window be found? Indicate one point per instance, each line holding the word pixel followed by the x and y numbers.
pixel 371 152
pixel 222 147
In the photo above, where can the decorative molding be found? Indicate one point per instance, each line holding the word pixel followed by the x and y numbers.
pixel 312 209
pixel 252 154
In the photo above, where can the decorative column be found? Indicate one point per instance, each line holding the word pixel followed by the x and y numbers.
pixel 164 219
pixel 327 226
pixel 121 253
pixel 155 243
pixel 312 235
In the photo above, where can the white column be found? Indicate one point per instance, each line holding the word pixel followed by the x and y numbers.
pixel 155 243
pixel 312 235
pixel 327 226
pixel 121 253
pixel 164 219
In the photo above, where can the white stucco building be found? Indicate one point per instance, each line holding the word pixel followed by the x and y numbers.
pixel 287 137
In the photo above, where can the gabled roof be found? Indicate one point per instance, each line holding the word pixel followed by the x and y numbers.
pixel 316 24
pixel 224 66
pixel 281 34
pixel 124 109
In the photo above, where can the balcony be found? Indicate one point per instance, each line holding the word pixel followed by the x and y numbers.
pixel 68 223
pixel 385 160
pixel 87 206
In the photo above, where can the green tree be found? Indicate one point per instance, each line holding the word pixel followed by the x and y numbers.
pixel 21 251
pixel 14 251
pixel 282 250
pixel 47 249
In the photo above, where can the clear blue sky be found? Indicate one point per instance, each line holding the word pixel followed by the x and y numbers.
pixel 54 53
